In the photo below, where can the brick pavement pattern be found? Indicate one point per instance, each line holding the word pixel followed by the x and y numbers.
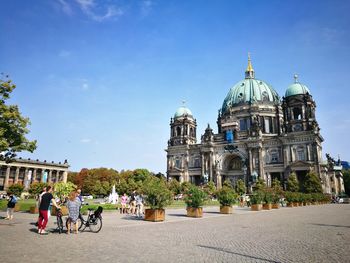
pixel 302 234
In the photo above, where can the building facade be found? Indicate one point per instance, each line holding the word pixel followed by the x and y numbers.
pixel 259 136
pixel 26 171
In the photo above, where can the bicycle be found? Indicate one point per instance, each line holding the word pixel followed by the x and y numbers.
pixel 93 221
pixel 59 220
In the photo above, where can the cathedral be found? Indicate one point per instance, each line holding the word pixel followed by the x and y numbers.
pixel 259 135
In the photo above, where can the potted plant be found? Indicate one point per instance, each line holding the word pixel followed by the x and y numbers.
pixel 275 200
pixel 194 200
pixel 256 201
pixel 290 197
pixel 157 196
pixel 267 200
pixel 226 197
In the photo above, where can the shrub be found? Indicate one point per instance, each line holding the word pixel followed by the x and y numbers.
pixel 36 188
pixel 226 196
pixel 292 183
pixel 260 185
pixel 268 196
pixel 157 195
pixel 257 198
pixel 195 197
pixel 62 190
pixel 16 189
pixel 240 187
pixel 312 183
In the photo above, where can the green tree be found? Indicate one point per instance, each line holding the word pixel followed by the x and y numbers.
pixel 36 188
pixel 260 185
pixel 346 177
pixel 16 189
pixel 62 190
pixel 240 187
pixel 210 188
pixel 292 183
pixel 227 183
pixel 312 183
pixel 276 186
pixel 13 126
pixel 174 186
pixel 157 193
pixel 185 186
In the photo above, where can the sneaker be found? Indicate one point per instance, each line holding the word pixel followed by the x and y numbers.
pixel 43 232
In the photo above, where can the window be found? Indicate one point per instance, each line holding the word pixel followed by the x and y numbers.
pixel 274 157
pixel 244 124
pixel 297 113
pixel 178 131
pixel 301 154
pixel 267 124
pixel 197 162
pixel 178 163
pixel 265 96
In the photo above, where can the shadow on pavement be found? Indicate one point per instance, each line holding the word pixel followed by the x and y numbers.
pixel 330 225
pixel 211 212
pixel 132 218
pixel 239 254
pixel 178 215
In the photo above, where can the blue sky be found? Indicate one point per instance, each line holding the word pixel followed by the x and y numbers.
pixel 100 80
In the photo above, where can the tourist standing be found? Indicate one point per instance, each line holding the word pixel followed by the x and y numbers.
pixel 11 206
pixel 43 210
pixel 123 201
pixel 133 202
pixel 73 205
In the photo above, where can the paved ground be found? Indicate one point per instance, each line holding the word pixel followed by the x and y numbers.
pixel 303 234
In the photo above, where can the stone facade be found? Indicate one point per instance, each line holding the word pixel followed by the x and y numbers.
pixel 259 136
pixel 28 171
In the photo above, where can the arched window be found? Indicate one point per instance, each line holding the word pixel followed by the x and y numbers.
pixel 300 154
pixel 297 113
pixel 191 132
pixel 178 131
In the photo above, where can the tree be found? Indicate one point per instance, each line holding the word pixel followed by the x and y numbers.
pixel 62 190
pixel 36 188
pixel 13 126
pixel 312 183
pixel 227 183
pixel 16 189
pixel 346 176
pixel 174 186
pixel 210 188
pixel 260 185
pixel 240 187
pixel 276 186
pixel 292 183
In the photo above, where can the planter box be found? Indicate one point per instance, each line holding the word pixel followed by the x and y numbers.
pixel 226 209
pixel 34 210
pixel 194 212
pixel 256 207
pixel 267 206
pixel 290 205
pixel 64 210
pixel 155 215
pixel 17 207
pixel 275 206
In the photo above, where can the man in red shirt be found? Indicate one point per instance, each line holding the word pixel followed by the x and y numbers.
pixel 46 198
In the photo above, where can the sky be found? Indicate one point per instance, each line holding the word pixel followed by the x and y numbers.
pixel 100 80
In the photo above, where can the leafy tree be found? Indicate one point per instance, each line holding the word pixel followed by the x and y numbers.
pixel 346 177
pixel 36 188
pixel 240 187
pixel 157 193
pixel 174 186
pixel 260 185
pixel 312 183
pixel 195 197
pixel 16 189
pixel 62 190
pixel 13 126
pixel 72 177
pixel 226 196
pixel 227 183
pixel 210 188
pixel 292 183
pixel 141 175
pixel 185 186
pixel 276 186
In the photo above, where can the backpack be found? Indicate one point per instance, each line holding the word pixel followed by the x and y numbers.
pixel 14 199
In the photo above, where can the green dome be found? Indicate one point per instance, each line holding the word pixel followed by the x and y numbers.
pixel 182 112
pixel 248 91
pixel 296 89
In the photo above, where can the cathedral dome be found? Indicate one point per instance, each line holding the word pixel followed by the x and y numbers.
pixel 249 91
pixel 183 111
pixel 296 88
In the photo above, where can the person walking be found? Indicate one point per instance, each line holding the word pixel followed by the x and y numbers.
pixel 123 201
pixel 139 205
pixel 11 206
pixel 43 210
pixel 133 203
pixel 73 205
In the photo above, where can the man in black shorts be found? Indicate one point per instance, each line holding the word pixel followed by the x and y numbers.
pixel 43 210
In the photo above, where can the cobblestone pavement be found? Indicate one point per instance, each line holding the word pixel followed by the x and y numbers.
pixel 302 234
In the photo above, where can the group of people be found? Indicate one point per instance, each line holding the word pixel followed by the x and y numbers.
pixel 46 199
pixel 132 204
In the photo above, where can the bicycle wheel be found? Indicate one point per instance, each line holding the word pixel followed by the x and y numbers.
pixel 59 224
pixel 81 223
pixel 95 224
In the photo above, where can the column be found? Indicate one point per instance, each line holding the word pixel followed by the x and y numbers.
pixel 57 176
pixel 261 168
pixel 34 175
pixel 203 165
pixel 49 178
pixel 16 175
pixel 210 167
pixel 25 183
pixel 42 176
pixel 65 176
pixel 250 162
pixel 7 177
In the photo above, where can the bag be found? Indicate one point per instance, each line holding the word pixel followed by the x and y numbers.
pixel 13 200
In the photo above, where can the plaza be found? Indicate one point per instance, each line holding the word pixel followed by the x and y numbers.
pixel 304 234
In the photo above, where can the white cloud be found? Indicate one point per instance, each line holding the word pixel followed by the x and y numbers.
pixel 93 10
pixel 85 86
pixel 85 140
pixel 66 8
pixel 64 53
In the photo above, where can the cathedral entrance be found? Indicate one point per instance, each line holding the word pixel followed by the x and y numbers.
pixel 233 169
